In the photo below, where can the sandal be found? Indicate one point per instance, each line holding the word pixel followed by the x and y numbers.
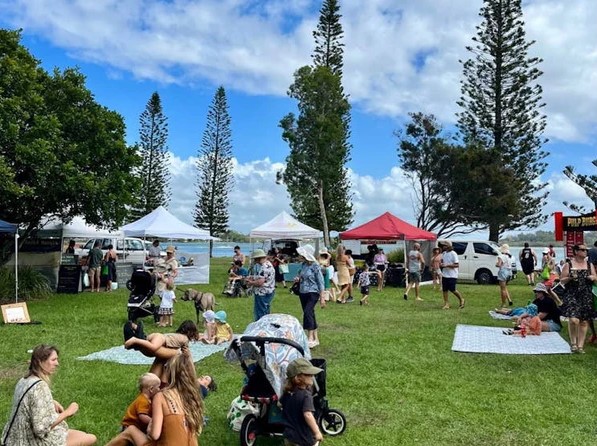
pixel 573 348
pixel 461 304
pixel 446 307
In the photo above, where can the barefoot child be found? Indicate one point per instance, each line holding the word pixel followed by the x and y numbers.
pixel 166 309
pixel 139 411
pixel 297 405
pixel 436 270
pixel 364 282
pixel 209 321
pixel 164 346
pixel 223 329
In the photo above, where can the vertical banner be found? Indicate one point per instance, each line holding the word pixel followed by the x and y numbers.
pixel 559 226
pixel 573 238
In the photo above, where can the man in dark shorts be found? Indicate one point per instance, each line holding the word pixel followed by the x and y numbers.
pixel 528 261
pixel 94 262
pixel 449 267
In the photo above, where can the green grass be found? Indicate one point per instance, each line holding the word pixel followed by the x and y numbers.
pixel 390 370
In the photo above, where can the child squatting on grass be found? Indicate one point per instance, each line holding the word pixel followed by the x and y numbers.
pixel 209 322
pixel 139 411
pixel 297 405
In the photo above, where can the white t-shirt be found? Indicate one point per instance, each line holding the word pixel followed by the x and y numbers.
pixel 448 258
pixel 168 297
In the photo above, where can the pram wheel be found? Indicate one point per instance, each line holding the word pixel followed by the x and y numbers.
pixel 248 431
pixel 332 423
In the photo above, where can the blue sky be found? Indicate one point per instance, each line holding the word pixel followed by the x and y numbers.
pixel 400 56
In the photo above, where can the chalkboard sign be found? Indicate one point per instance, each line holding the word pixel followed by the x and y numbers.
pixel 69 279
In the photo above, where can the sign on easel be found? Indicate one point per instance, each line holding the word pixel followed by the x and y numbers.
pixel 15 313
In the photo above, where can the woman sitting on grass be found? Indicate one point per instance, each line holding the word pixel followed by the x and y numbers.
pixel 176 411
pixel 163 346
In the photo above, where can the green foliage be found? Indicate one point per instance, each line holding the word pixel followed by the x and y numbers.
pixel 328 46
pixel 153 150
pixel 61 153
pixel 588 184
pixel 395 256
pixel 390 369
pixel 214 167
pixel 32 284
pixel 319 149
pixel 500 103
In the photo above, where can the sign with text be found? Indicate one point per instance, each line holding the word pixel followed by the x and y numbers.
pixel 586 222
pixel 573 238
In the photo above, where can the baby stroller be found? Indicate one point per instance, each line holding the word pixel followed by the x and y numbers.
pixel 265 369
pixel 142 288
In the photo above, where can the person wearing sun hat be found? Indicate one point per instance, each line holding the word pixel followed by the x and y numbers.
pixel 223 328
pixel 262 280
pixel 504 275
pixel 297 404
pixel 170 269
pixel 311 290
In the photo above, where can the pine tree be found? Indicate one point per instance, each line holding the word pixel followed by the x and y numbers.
pixel 153 149
pixel 501 102
pixel 316 174
pixel 328 46
pixel 214 168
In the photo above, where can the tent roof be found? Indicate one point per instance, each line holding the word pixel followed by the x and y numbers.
pixel 77 228
pixel 284 226
pixel 161 223
pixel 8 227
pixel 387 227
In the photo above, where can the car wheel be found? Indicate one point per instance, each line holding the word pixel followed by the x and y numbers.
pixel 484 277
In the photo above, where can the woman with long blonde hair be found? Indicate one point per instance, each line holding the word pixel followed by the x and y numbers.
pixel 176 411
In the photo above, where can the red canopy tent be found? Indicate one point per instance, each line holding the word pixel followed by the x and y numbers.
pixel 387 227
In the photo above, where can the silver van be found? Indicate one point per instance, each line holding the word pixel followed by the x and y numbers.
pixel 129 249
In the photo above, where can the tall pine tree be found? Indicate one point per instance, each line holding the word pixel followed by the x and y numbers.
pixel 214 169
pixel 501 102
pixel 316 174
pixel 153 149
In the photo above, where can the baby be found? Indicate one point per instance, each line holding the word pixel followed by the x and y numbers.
pixel 206 385
pixel 139 411
pixel 209 321
pixel 223 329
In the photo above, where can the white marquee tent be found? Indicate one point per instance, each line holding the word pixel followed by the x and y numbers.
pixel 161 223
pixel 76 228
pixel 284 226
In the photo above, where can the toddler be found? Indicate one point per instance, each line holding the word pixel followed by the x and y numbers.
pixel 206 385
pixel 166 309
pixel 436 270
pixel 297 404
pixel 209 321
pixel 364 282
pixel 223 329
pixel 139 411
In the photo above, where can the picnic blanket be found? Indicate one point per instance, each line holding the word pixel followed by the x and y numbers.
pixel 477 339
pixel 500 316
pixel 120 355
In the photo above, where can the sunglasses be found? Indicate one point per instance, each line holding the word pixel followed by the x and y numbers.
pixel 582 249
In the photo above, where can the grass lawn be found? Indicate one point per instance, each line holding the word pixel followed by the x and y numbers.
pixel 390 370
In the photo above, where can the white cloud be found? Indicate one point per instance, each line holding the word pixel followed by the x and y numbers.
pixel 256 198
pixel 255 46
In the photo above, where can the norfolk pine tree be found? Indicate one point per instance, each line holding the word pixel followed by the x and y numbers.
pixel 214 169
pixel 153 174
pixel 316 176
pixel 500 104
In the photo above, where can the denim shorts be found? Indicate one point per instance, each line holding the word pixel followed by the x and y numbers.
pixel 553 325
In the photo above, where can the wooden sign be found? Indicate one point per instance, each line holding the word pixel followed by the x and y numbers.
pixel 15 313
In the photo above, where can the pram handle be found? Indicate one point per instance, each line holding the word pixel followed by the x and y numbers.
pixel 262 340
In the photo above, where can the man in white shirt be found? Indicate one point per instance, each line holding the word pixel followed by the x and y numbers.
pixel 449 267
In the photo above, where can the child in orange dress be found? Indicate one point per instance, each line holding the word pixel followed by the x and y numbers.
pixel 139 411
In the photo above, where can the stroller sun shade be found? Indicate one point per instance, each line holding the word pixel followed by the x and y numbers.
pixel 275 357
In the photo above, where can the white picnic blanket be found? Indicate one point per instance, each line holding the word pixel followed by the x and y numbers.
pixel 477 339
pixel 120 355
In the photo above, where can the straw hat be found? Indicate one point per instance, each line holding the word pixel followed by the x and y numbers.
pixel 258 254
pixel 170 249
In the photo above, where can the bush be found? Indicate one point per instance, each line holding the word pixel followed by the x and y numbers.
pixel 32 284
pixel 395 256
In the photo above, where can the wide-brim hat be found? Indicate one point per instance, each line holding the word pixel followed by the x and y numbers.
pixel 324 252
pixel 221 316
pixel 209 316
pixel 170 249
pixel 447 243
pixel 258 254
pixel 307 252
pixel 301 366
pixel 505 249
pixel 546 251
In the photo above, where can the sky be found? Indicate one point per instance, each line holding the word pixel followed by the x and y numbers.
pixel 401 56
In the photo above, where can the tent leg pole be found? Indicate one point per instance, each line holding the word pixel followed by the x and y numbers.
pixel 16 267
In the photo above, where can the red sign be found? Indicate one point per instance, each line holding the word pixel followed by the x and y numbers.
pixel 573 238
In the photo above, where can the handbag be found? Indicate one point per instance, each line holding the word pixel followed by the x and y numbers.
pixel 594 291
pixel 17 411
pixel 295 288
pixel 545 273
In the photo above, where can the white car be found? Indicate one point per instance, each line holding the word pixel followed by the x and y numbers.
pixel 128 249
pixel 477 259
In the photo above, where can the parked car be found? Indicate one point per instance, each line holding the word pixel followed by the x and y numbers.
pixel 477 259
pixel 128 249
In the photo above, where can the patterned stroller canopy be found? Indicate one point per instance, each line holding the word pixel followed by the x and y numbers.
pixel 277 356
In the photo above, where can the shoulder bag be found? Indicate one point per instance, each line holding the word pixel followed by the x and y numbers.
pixel 16 412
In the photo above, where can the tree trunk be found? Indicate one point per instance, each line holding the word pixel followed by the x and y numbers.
pixel 494 232
pixel 324 218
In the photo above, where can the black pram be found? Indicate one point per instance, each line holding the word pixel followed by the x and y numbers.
pixel 142 287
